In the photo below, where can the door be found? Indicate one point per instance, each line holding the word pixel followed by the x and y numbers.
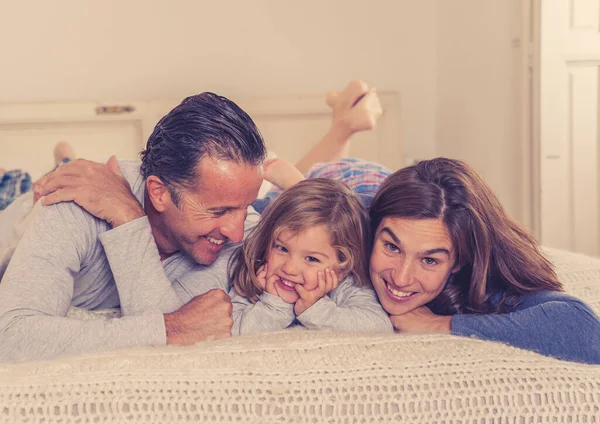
pixel 569 159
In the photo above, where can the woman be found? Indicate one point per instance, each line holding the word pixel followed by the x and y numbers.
pixel 447 258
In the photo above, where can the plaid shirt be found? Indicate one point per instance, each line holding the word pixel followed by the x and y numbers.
pixel 12 185
pixel 363 177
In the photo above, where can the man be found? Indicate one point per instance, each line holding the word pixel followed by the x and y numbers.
pixel 149 254
pixel 199 172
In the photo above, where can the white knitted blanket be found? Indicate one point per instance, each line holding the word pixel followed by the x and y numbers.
pixel 302 376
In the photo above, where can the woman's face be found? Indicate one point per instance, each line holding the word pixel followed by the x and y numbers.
pixel 411 262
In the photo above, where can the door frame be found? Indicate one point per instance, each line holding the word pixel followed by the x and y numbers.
pixel 530 115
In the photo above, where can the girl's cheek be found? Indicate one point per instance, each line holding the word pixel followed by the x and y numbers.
pixel 310 280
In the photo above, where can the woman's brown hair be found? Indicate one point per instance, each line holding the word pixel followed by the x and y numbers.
pixel 495 254
pixel 307 204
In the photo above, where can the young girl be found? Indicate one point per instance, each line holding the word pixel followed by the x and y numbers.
pixel 305 262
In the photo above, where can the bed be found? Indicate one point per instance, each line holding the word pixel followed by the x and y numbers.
pixel 294 375
pixel 303 376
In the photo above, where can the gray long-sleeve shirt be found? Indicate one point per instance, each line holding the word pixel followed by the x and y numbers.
pixel 347 308
pixel 68 257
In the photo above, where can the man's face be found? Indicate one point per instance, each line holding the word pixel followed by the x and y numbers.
pixel 214 212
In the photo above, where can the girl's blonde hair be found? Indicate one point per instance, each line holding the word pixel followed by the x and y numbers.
pixel 313 202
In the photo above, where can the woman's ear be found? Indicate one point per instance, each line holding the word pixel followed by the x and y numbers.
pixel 158 193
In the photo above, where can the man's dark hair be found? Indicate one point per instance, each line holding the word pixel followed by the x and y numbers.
pixel 204 124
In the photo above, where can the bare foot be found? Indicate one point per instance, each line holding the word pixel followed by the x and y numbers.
pixel 356 107
pixel 62 151
pixel 281 173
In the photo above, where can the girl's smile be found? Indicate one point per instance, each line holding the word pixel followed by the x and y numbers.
pixel 295 259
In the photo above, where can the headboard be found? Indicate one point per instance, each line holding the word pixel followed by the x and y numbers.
pixel 96 130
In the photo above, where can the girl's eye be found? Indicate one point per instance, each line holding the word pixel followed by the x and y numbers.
pixel 391 247
pixel 429 261
pixel 280 248
pixel 312 259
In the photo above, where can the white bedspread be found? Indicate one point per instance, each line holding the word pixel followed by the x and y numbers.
pixel 303 376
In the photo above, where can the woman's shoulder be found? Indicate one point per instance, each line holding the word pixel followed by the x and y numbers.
pixel 543 296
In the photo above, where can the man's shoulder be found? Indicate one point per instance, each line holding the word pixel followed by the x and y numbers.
pixel 131 170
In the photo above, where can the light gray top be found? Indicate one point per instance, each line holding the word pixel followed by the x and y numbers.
pixel 347 308
pixel 68 257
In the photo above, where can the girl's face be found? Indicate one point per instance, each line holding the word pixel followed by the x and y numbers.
pixel 411 261
pixel 296 258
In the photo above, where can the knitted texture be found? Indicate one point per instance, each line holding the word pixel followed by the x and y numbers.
pixel 303 376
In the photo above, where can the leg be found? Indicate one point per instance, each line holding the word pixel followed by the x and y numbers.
pixel 355 109
pixel 363 177
pixel 12 185
pixel 281 173
pixel 63 152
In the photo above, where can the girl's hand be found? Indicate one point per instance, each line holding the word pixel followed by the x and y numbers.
pixel 261 276
pixel 264 282
pixel 326 282
pixel 422 320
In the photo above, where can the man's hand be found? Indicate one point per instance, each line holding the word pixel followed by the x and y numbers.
pixel 205 317
pixel 327 281
pixel 422 320
pixel 98 188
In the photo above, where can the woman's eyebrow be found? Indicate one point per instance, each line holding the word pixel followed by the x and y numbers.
pixel 391 234
pixel 436 250
pixel 425 253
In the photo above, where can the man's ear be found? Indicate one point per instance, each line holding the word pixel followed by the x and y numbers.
pixel 158 193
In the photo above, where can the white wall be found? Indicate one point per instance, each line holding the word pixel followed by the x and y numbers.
pixel 150 49
pixel 452 61
pixel 478 92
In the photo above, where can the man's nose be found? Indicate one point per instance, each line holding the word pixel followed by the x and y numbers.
pixel 233 228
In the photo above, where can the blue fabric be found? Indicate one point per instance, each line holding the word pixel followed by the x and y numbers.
pixel 548 322
pixel 15 183
pixel 12 185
